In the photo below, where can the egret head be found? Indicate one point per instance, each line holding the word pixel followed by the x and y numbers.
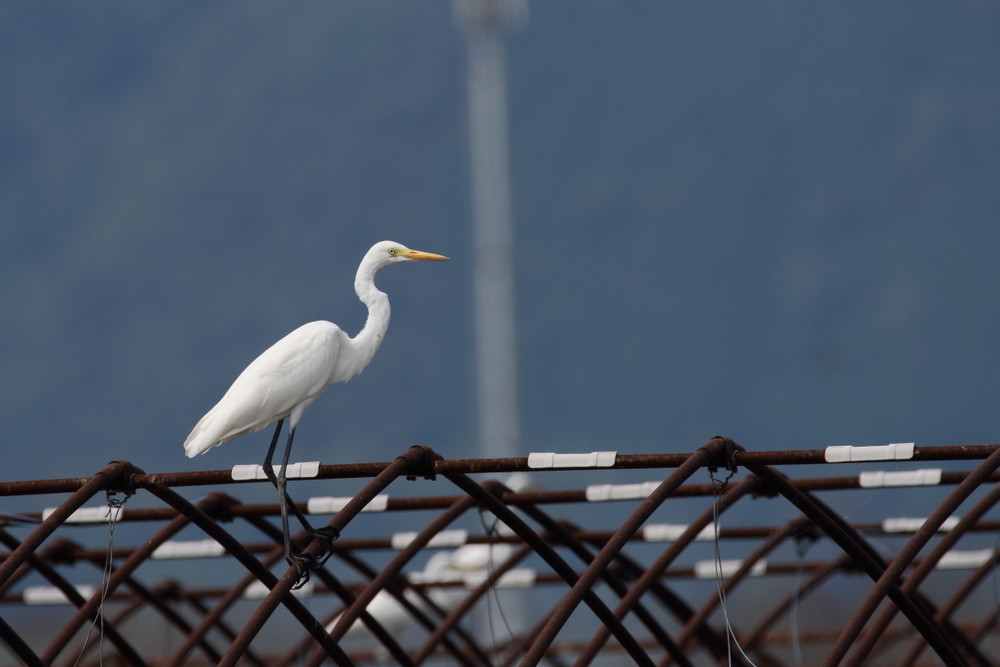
pixel 385 253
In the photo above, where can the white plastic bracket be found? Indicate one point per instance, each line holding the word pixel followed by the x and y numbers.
pixel 874 479
pixel 332 505
pixel 446 538
pixel 243 472
pixel 900 451
pixel 586 460
pixel 604 492
pixel 104 514
pixel 710 569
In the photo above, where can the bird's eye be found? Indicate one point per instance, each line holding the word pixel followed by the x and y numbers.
pixel 392 252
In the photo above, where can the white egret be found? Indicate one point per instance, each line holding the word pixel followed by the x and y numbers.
pixel 290 375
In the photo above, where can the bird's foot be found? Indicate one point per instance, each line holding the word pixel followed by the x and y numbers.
pixel 305 562
pixel 327 535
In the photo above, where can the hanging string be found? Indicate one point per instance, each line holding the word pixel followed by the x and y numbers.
pixel 492 530
pixel 718 488
pixel 115 506
pixel 802 544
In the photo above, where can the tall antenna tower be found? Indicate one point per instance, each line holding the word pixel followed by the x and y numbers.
pixel 486 23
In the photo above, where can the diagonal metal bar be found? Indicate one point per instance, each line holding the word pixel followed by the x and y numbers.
pixel 556 562
pixel 649 578
pixel 139 603
pixel 334 584
pixel 927 564
pixel 415 461
pixel 39 563
pixel 395 567
pixel 988 624
pixel 18 645
pixel 563 534
pixel 905 556
pixel 848 539
pixel 386 638
pixel 212 618
pixel 324 574
pixel 362 567
pixel 451 620
pixel 948 608
pixel 710 452
pixel 201 610
pixel 656 569
pixel 144 599
pixel 120 574
pixel 393 570
pixel 761 552
pixel 111 475
pixel 247 560
pixel 756 636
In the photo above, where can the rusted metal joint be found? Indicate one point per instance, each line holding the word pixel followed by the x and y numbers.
pixel 723 452
pixel 805 532
pixel 497 488
pixel 765 489
pixel 422 462
pixel 61 551
pixel 169 589
pixel 219 506
pixel 119 475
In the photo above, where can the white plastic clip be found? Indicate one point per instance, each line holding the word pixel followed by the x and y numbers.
pixel 604 492
pixel 671 532
pixel 446 538
pixel 89 514
pixel 900 451
pixel 332 505
pixel 710 569
pixel 874 479
pixel 964 560
pixel 188 549
pixel 587 460
pixel 905 524
pixel 252 471
pixel 39 595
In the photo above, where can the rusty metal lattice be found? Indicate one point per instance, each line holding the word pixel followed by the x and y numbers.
pixel 761 565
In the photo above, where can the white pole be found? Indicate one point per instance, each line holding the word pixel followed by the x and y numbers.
pixel 485 23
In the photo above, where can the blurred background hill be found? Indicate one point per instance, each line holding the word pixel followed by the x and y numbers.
pixel 776 221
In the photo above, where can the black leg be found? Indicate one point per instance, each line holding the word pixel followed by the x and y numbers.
pixel 280 482
pixel 268 468
pixel 284 501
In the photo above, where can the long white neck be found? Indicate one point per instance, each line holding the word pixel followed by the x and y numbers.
pixel 366 343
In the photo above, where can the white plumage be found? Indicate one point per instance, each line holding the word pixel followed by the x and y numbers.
pixel 290 375
pixel 287 377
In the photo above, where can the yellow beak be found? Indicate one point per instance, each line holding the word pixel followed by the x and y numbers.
pixel 420 255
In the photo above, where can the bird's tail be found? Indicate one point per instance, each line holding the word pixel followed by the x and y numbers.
pixel 201 438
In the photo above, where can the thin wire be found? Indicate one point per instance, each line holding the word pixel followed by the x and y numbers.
pixel 491 531
pixel 717 489
pixel 801 548
pixel 114 507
